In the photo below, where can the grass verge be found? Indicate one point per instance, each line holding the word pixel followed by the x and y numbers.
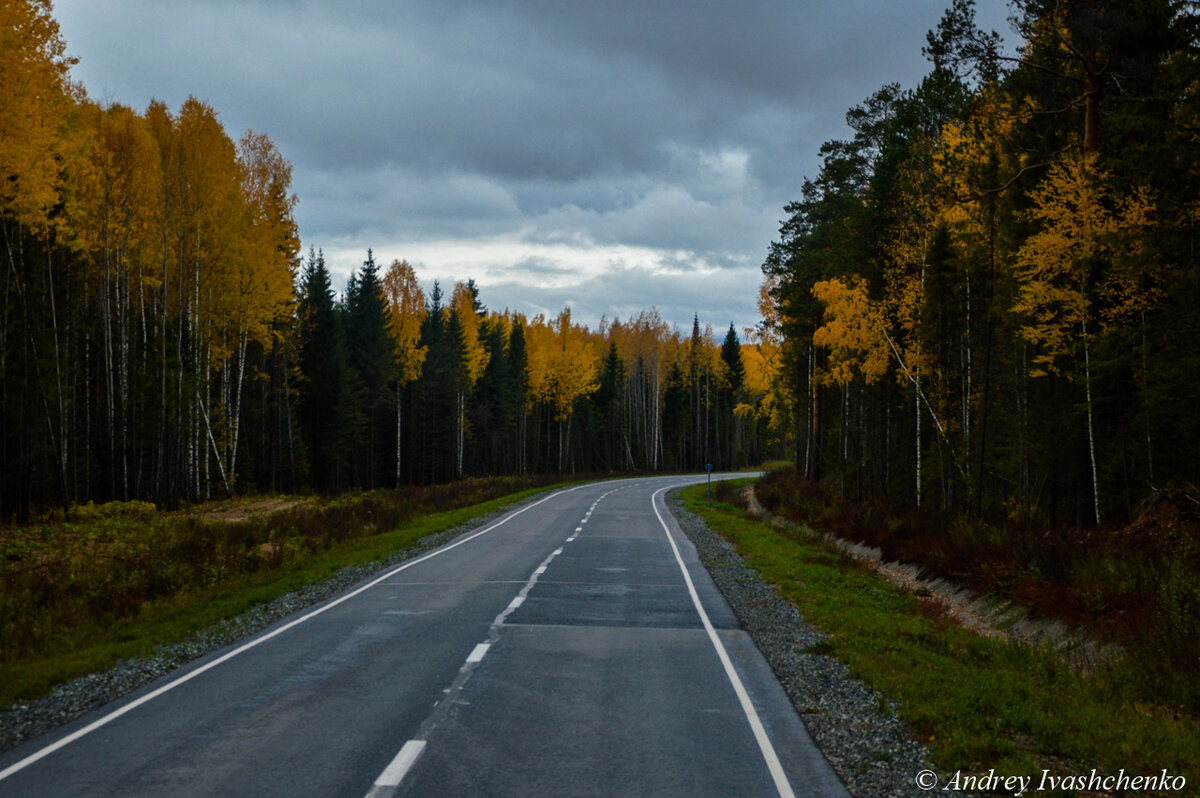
pixel 1136 585
pixel 81 598
pixel 977 703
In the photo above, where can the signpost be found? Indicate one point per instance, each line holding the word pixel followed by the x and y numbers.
pixel 708 485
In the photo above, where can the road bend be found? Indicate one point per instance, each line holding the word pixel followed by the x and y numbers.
pixel 573 647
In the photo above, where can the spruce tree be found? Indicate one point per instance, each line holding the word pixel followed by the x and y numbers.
pixel 372 356
pixel 518 359
pixel 609 408
pixel 735 375
pixel 324 389
pixel 492 424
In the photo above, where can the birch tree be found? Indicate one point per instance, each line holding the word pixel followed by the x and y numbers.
pixel 1060 266
pixel 34 114
pixel 406 309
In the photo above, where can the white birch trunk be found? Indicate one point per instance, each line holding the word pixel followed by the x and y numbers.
pixel 213 442
pixel 399 436
pixel 237 406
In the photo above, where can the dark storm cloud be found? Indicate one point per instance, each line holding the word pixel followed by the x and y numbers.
pixel 681 127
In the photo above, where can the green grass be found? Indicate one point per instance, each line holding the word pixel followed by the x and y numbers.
pixel 74 642
pixel 1136 585
pixel 976 702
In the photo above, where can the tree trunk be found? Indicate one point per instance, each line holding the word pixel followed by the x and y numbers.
pixel 813 444
pixel 237 407
pixel 458 465
pixel 399 436
pixel 1087 383
pixel 917 408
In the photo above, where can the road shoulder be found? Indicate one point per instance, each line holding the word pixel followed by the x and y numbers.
pixel 863 740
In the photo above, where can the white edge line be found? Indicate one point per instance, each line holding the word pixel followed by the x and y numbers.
pixel 760 733
pixel 132 705
pixel 394 773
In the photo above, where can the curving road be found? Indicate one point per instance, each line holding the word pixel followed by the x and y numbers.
pixel 574 646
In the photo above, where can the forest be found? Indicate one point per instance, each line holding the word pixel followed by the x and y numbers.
pixel 982 303
pixel 163 338
pixel 986 299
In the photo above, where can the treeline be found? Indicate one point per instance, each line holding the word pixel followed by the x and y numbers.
pixel 987 298
pixel 162 338
pixel 395 387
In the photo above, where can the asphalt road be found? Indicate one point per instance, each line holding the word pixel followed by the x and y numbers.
pixel 572 647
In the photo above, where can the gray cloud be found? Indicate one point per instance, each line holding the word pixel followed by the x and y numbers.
pixel 677 126
pixel 625 291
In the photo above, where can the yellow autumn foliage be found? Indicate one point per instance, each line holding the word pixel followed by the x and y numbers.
pixel 406 313
pixel 1081 227
pixel 852 330
pixel 562 362
pixel 37 101
pixel 476 356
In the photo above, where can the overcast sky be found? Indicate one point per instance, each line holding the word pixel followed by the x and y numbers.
pixel 613 155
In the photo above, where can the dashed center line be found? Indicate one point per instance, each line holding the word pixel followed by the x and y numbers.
pixel 390 779
pixel 258 640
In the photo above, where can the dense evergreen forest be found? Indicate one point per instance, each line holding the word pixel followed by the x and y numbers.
pixel 987 298
pixel 162 336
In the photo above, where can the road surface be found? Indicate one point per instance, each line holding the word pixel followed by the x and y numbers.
pixel 573 646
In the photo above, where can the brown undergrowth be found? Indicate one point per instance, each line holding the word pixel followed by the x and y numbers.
pixel 101 567
pixel 1136 586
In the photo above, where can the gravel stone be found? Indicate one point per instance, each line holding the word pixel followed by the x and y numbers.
pixel 855 727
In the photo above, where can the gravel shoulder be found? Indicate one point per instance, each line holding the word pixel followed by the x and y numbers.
pixel 854 726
